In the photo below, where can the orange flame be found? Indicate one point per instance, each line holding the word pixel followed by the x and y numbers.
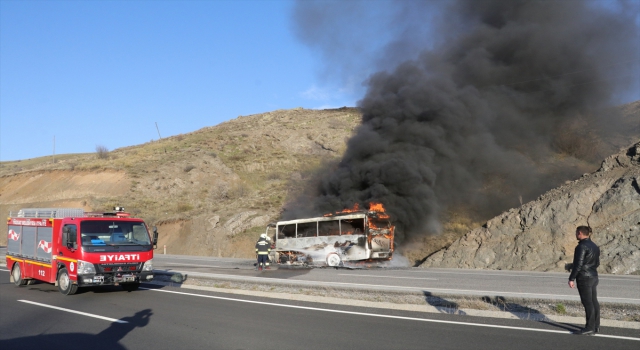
pixel 376 207
pixel 356 207
pixel 373 206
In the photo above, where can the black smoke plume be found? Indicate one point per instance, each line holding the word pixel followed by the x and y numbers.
pixel 472 120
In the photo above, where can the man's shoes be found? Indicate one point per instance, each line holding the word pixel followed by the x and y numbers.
pixel 584 331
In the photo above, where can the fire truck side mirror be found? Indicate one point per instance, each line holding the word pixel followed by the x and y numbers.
pixel 155 237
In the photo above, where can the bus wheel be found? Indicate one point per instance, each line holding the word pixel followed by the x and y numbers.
pixel 65 286
pixel 333 260
pixel 17 276
pixel 130 287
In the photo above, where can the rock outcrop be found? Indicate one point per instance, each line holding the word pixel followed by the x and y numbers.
pixel 539 235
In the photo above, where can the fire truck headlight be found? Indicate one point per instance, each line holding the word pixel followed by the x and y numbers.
pixel 148 265
pixel 85 268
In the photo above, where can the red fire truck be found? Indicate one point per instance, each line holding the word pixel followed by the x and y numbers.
pixel 73 248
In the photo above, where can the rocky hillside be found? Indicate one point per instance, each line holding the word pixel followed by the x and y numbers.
pixel 540 235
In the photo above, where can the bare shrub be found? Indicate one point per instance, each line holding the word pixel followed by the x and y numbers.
pixel 102 152
pixel 220 191
pixel 337 124
pixel 274 176
pixel 182 207
pixel 239 190
pixel 188 168
pixel 235 157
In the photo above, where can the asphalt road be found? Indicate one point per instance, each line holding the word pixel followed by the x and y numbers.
pixel 516 284
pixel 167 318
pixel 524 284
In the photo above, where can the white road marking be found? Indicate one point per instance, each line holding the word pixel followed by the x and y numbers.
pixel 380 315
pixel 471 291
pixel 601 277
pixel 410 278
pixel 173 263
pixel 160 258
pixel 486 274
pixel 74 311
pixel 4 270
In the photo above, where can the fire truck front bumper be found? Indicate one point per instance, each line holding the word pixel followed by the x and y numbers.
pixel 109 279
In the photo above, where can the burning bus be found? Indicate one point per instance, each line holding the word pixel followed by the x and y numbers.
pixel 331 240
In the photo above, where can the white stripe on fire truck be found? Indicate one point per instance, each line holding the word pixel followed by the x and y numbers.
pixel 74 311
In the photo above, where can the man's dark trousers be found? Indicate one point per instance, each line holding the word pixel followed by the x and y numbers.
pixel 589 298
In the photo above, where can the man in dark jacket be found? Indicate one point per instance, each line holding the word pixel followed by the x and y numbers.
pixel 586 260
pixel 263 247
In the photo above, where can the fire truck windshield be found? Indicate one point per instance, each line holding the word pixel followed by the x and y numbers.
pixel 106 234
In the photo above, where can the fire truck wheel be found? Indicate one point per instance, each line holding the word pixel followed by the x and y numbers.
pixel 65 286
pixel 130 287
pixel 17 276
pixel 333 260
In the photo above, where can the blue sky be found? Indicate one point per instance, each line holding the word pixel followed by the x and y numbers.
pixel 103 72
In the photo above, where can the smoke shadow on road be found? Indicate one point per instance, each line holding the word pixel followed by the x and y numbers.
pixel 109 338
pixel 177 279
pixel 45 287
pixel 524 312
pixel 443 305
pixel 285 272
pixel 171 278
pixel 520 311
pixel 566 326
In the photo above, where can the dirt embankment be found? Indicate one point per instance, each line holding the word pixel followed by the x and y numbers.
pixel 58 188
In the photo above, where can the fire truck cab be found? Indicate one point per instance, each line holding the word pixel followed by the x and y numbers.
pixel 73 248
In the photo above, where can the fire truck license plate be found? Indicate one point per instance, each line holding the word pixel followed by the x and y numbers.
pixel 128 278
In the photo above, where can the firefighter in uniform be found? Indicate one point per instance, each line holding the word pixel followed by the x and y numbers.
pixel 263 247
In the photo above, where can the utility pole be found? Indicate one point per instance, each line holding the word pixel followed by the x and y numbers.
pixel 158 131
